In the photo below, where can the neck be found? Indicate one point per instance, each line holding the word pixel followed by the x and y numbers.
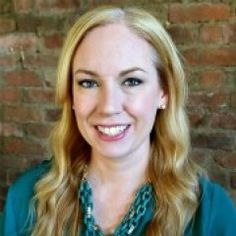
pixel 111 173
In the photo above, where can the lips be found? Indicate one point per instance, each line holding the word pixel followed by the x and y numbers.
pixel 112 131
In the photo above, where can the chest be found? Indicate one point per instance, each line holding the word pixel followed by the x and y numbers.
pixel 114 214
pixel 110 209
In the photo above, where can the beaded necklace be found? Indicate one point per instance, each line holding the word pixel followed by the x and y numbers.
pixel 129 222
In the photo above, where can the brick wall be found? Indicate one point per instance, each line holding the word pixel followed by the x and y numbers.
pixel 31 35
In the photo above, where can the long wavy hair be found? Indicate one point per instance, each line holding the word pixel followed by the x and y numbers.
pixel 174 176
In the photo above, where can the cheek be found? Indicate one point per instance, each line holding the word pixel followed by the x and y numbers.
pixel 82 110
pixel 82 106
pixel 145 105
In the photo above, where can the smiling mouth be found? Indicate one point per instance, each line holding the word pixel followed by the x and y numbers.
pixel 113 130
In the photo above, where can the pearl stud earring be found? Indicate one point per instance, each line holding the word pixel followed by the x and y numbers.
pixel 162 107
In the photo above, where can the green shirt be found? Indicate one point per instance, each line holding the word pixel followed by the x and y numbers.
pixel 215 216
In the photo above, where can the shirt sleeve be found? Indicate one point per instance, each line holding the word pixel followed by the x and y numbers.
pixel 216 213
pixel 223 213
pixel 9 222
pixel 17 210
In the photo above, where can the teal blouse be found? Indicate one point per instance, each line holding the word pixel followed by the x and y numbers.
pixel 215 216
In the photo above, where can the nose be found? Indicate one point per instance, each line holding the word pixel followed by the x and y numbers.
pixel 110 100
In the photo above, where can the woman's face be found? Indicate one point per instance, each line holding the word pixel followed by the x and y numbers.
pixel 116 91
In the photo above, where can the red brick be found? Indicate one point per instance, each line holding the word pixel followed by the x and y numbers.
pixel 217 174
pixel 191 56
pixel 23 78
pixel 21 164
pixel 27 23
pixel 1 94
pixel 49 4
pixel 233 180
pixel 181 34
pixel 229 33
pixel 49 77
pixel 9 94
pixel 215 141
pixel 53 41
pixel 200 156
pixel 233 100
pixel 33 160
pixel 12 129
pixel 41 61
pixel 211 34
pixel 216 100
pixel 3 190
pixel 211 79
pixel 3 176
pixel 7 60
pixel 5 6
pixel 224 121
pixel 23 5
pixel 13 162
pixel 52 114
pixel 198 12
pixel 39 96
pixel 196 119
pixel 47 23
pixel 19 42
pixel 2 202
pixel 218 57
pixel 21 113
pixel 210 56
pixel 225 159
pixel 7 25
pixel 23 146
pixel 38 130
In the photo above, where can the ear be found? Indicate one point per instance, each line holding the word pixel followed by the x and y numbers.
pixel 163 101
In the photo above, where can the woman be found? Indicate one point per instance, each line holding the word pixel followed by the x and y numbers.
pixel 120 164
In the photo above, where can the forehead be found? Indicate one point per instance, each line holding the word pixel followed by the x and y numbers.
pixel 113 44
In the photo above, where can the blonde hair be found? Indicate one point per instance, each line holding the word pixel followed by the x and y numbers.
pixel 173 175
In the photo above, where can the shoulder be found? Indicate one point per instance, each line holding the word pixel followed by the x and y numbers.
pixel 18 199
pixel 213 195
pixel 26 182
pixel 216 214
pixel 24 185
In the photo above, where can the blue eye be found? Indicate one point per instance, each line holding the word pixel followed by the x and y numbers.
pixel 132 82
pixel 88 83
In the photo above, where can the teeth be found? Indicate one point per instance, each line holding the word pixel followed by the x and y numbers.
pixel 112 131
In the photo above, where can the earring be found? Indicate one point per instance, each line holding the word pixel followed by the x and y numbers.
pixel 162 107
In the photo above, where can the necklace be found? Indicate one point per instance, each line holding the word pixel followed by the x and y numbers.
pixel 129 222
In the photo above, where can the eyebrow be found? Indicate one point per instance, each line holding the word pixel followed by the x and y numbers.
pixel 122 73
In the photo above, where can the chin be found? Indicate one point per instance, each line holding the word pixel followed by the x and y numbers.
pixel 112 154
